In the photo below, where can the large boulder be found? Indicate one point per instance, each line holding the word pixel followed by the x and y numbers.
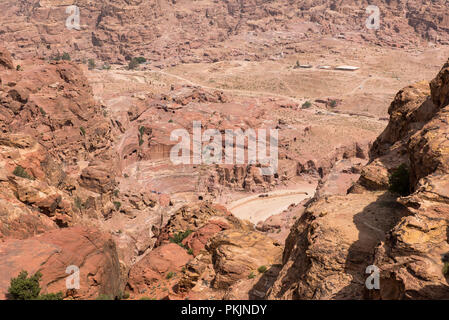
pixel 93 252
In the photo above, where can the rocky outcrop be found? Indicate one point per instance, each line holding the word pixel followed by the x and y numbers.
pixel 338 237
pixel 117 30
pixel 52 253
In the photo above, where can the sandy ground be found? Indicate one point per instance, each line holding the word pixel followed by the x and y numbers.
pixel 255 208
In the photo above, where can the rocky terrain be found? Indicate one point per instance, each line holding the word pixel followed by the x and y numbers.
pixel 86 178
pixel 182 31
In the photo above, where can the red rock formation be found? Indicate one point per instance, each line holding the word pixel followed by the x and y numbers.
pixel 51 253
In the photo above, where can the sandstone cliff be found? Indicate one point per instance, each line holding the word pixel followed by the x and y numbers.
pixel 405 236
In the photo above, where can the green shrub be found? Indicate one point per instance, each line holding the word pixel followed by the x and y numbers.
pixel 251 275
pixel 51 296
pixel 333 103
pixel 83 131
pixel 133 64
pixel 262 269
pixel 19 67
pixel 141 133
pixel 27 288
pixel 65 56
pixel 91 64
pixel 399 181
pixel 78 203
pixel 190 251
pixel 117 205
pixel 140 60
pixel 106 66
pixel 24 288
pixel 306 105
pixel 20 172
pixel 180 236
pixel 124 296
pixel 170 275
pixel 42 111
pixel 446 268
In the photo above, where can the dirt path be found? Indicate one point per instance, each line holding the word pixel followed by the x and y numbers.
pixel 256 208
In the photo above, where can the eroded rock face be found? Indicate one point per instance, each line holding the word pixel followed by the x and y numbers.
pixel 117 30
pixel 406 237
pixel 93 252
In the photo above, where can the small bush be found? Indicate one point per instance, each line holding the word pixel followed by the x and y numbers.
pixel 251 275
pixel 399 181
pixel 42 111
pixel 141 133
pixel 262 269
pixel 124 296
pixel 190 251
pixel 133 64
pixel 180 236
pixel 170 275
pixel 82 131
pixel 24 288
pixel 117 205
pixel 51 296
pixel 91 64
pixel 106 66
pixel 20 172
pixel 19 67
pixel 333 103
pixel 66 56
pixel 141 60
pixel 79 203
pixel 306 105
pixel 446 268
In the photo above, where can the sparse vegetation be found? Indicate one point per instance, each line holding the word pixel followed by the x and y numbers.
pixel 66 56
pixel 297 65
pixel 170 275
pixel 104 296
pixel 21 172
pixel 141 133
pixel 333 103
pixel 399 181
pixel 82 131
pixel 106 66
pixel 306 105
pixel 179 237
pixel 134 63
pixel 117 205
pixel 19 67
pixel 42 111
pixel 27 288
pixel 251 275
pixel 91 64
pixel 51 296
pixel 78 203
pixel 262 269
pixel 446 268
pixel 190 251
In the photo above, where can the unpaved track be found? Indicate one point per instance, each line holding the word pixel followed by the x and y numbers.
pixel 255 208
